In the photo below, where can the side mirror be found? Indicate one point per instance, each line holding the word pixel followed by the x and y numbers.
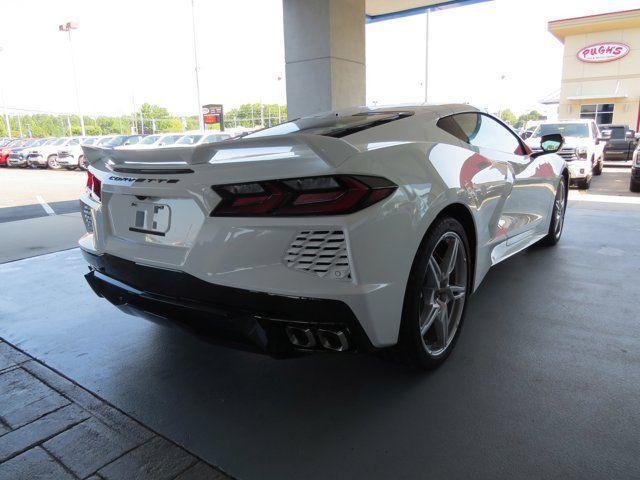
pixel 526 134
pixel 551 143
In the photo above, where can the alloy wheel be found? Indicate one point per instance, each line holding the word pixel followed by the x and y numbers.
pixel 52 162
pixel 559 209
pixel 442 295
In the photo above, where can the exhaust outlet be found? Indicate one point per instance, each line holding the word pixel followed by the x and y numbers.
pixel 300 337
pixel 335 340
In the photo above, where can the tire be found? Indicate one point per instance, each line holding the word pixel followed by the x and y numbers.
pixel 634 185
pixel 52 162
pixel 557 215
pixel 81 165
pixel 426 337
pixel 597 169
pixel 584 184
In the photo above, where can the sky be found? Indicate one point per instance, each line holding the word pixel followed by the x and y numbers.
pixel 494 55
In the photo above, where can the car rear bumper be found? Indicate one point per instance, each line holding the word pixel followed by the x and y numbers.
pixel 36 160
pixel 617 155
pixel 16 162
pixel 579 169
pixel 67 161
pixel 231 316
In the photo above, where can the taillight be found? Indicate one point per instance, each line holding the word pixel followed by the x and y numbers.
pixel 328 195
pixel 94 184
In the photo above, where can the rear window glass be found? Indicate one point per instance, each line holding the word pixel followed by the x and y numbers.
pixel 170 139
pixel 151 139
pixel 618 133
pixel 337 126
pixel 189 140
pixel 116 141
pixel 580 130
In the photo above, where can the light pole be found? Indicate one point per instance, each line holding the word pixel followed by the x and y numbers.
pixel 195 60
pixel 4 104
pixel 502 80
pixel 67 27
pixel 426 56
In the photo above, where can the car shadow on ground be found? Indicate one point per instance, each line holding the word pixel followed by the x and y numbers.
pixel 35 210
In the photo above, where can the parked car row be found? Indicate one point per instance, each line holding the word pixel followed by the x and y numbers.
pixel 66 152
pixel 620 141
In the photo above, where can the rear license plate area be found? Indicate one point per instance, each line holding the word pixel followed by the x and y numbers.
pixel 150 218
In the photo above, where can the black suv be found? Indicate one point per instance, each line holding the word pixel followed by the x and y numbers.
pixel 621 143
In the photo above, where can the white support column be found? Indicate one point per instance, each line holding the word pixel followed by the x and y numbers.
pixel 324 55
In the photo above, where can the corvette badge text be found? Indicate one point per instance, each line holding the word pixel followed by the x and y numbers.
pixel 144 180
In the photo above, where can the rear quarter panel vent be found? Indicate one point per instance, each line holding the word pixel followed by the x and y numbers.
pixel 320 252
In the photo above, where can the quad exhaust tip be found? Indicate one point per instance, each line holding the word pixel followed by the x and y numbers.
pixel 301 337
pixel 335 340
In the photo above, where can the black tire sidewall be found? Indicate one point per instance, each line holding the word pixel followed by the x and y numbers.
pixel 410 340
pixel 551 239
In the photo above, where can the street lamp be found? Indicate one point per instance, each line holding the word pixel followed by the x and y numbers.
pixel 195 59
pixel 67 27
pixel 426 56
pixel 4 104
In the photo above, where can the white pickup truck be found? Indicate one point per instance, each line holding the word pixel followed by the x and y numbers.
pixel 583 147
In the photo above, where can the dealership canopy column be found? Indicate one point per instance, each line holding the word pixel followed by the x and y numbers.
pixel 324 54
pixel 324 44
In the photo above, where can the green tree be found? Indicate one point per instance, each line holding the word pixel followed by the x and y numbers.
pixel 252 115
pixel 532 115
pixel 508 116
pixel 93 130
pixel 46 125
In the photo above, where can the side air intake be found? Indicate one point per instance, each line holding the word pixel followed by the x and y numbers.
pixel 320 252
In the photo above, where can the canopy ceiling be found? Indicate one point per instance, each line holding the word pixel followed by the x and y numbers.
pixel 385 9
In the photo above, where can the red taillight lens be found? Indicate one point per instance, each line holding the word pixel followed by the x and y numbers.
pixel 328 195
pixel 94 184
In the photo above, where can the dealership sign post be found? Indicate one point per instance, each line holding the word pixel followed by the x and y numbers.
pixel 213 113
pixel 603 52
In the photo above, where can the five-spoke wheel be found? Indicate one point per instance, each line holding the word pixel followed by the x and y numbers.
pixel 436 296
pixel 443 292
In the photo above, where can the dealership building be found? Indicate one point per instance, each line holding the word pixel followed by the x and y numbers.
pixel 601 67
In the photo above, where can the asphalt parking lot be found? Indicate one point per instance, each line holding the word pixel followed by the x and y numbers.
pixel 39 211
pixel 544 382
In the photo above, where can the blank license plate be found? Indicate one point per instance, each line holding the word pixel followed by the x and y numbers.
pixel 153 218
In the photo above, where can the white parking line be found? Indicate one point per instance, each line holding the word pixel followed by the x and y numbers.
pixel 45 205
pixel 582 196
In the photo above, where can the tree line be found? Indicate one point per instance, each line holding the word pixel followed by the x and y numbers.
pixel 520 121
pixel 154 118
pixel 147 119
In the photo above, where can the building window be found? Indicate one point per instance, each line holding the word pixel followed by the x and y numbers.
pixel 602 113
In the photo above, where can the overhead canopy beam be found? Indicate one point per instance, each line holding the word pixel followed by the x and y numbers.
pixel 380 10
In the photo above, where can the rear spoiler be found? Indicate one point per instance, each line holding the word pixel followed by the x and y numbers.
pixel 333 151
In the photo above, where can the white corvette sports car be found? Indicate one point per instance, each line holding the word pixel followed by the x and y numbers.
pixel 358 230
